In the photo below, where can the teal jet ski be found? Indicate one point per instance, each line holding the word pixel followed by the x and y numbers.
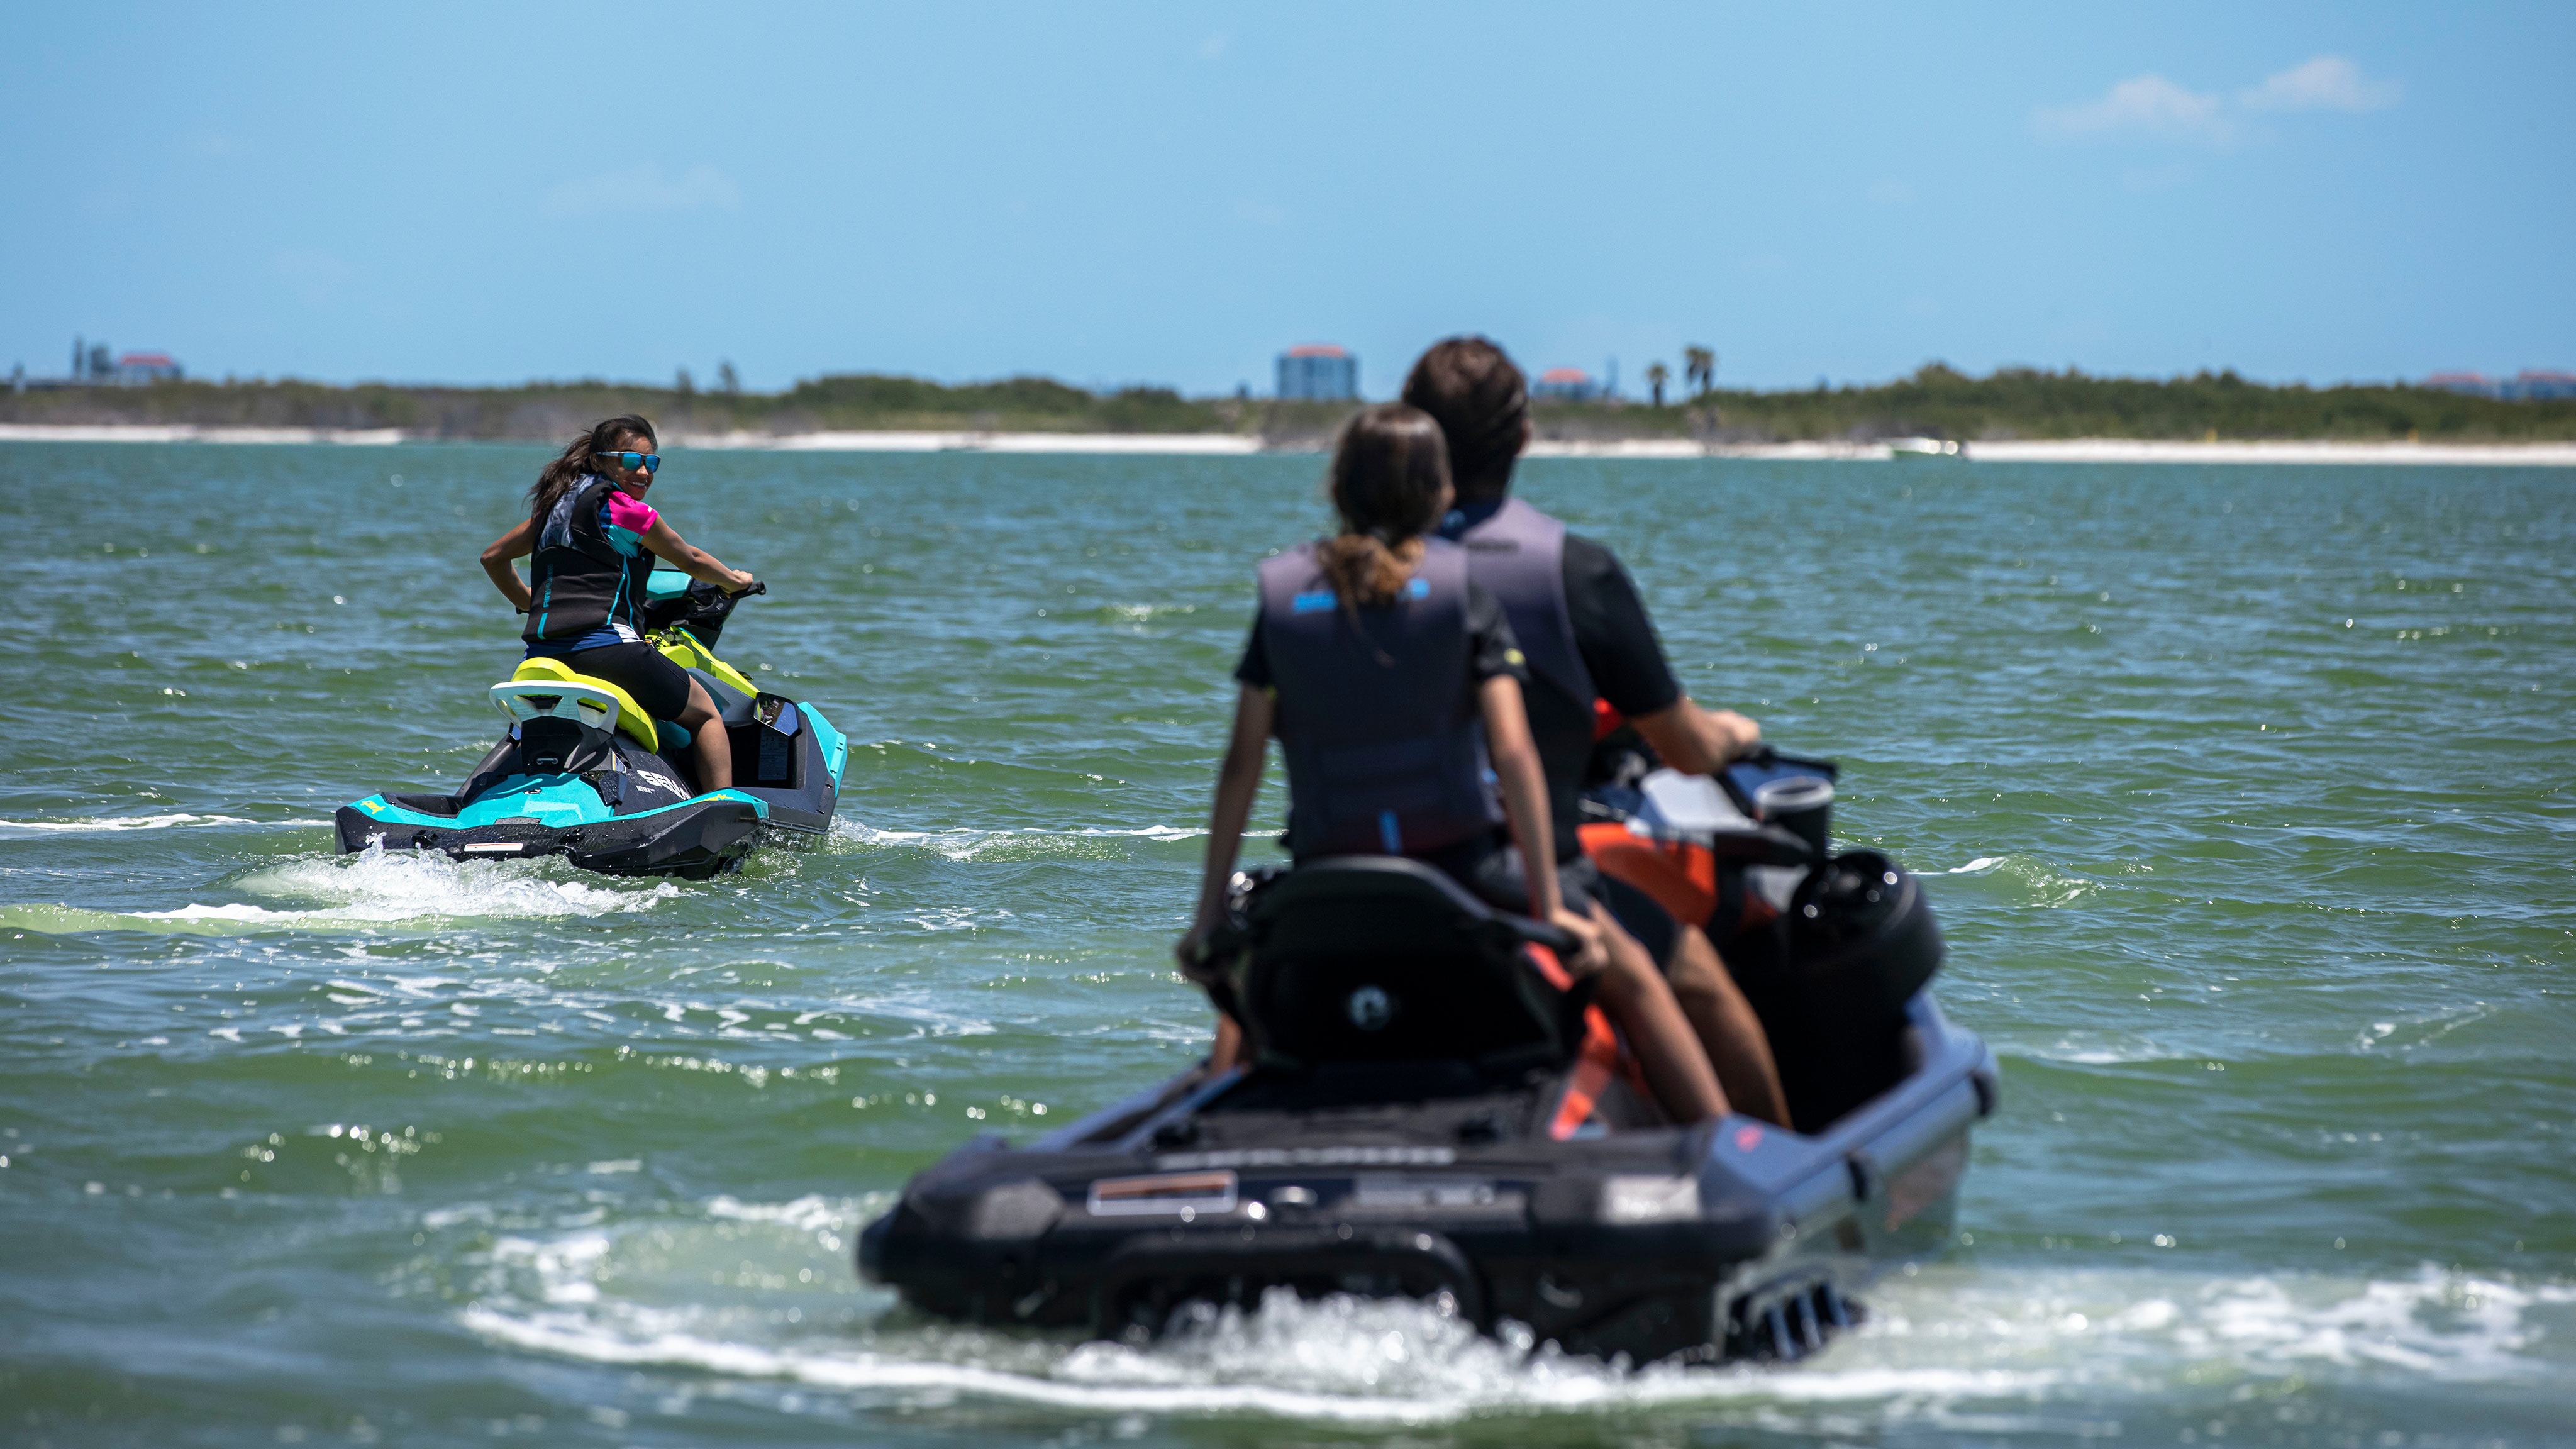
pixel 581 772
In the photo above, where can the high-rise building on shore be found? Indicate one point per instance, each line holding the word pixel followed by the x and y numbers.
pixel 2530 386
pixel 1318 372
pixel 1565 384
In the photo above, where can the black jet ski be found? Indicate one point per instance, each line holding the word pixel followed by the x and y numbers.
pixel 1435 1113
pixel 583 773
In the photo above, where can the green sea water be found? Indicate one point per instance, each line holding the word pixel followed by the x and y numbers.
pixel 2244 795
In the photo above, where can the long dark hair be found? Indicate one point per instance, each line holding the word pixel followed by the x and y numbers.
pixel 1481 401
pixel 574 463
pixel 1390 471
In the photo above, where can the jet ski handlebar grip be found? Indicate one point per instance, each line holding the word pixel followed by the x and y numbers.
pixel 1542 933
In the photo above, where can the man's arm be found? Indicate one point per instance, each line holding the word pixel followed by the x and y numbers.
pixel 1697 741
pixel 1628 667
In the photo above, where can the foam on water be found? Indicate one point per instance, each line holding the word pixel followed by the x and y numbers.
pixel 374 886
pixel 95 823
pixel 377 884
pixel 968 843
pixel 1943 1343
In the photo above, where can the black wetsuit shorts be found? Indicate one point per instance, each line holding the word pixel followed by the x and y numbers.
pixel 1491 868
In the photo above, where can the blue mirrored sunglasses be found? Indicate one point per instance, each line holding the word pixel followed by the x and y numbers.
pixel 649 462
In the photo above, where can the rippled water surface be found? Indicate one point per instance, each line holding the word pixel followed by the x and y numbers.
pixel 2244 794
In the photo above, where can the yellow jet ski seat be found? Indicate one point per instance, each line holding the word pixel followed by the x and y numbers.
pixel 637 724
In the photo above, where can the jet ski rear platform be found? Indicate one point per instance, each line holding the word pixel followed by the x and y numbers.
pixel 1431 1114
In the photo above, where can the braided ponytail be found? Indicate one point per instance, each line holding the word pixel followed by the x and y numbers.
pixel 1390 479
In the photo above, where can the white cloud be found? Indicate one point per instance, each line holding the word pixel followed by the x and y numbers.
pixel 644 189
pixel 2148 105
pixel 2327 83
pixel 2155 108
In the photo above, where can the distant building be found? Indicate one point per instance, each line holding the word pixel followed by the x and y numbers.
pixel 94 364
pixel 137 368
pixel 1318 372
pixel 2530 386
pixel 1565 384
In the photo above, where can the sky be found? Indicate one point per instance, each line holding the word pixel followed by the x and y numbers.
pixel 1118 194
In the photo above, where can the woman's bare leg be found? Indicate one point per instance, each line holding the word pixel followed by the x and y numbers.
pixel 1634 994
pixel 714 748
pixel 1227 1053
pixel 1737 1046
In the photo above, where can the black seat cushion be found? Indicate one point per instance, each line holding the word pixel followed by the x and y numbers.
pixel 554 746
pixel 1378 958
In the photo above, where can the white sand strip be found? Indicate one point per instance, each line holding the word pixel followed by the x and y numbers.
pixel 1629 448
pixel 2132 450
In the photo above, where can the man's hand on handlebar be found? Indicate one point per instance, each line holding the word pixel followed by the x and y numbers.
pixel 1739 734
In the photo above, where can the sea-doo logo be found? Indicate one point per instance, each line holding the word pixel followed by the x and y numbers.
pixel 1371 1008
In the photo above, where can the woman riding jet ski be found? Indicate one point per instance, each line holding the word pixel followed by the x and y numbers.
pixel 1412 1094
pixel 632 748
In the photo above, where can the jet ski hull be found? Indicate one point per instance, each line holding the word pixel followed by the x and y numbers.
pixel 694 840
pixel 1736 1239
pixel 652 826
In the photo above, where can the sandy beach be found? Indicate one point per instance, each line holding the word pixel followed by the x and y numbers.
pixel 2068 450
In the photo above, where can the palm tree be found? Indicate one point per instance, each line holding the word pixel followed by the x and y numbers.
pixel 1699 365
pixel 1656 376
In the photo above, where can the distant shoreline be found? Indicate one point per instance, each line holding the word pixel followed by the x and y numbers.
pixel 2066 450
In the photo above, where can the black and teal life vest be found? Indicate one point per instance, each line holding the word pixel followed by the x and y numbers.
pixel 587 575
pixel 1377 712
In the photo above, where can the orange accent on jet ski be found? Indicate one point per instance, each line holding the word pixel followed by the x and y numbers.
pixel 1605 720
pixel 1600 1057
pixel 1681 877
pixel 1593 1069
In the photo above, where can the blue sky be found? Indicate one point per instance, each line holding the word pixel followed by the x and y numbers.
pixel 1172 193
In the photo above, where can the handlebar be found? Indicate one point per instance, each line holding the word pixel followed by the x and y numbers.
pixel 1544 933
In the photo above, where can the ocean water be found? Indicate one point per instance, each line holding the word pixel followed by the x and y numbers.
pixel 2244 794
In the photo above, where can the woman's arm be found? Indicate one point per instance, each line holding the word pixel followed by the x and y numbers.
pixel 1507 741
pixel 518 543
pixel 697 563
pixel 1238 780
pixel 1515 760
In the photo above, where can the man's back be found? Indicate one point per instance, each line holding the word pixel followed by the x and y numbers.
pixel 1584 629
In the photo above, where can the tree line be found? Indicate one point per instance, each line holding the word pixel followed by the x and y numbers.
pixel 1936 401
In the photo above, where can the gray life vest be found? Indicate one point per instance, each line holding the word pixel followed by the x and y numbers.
pixel 1378 718
pixel 1518 554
